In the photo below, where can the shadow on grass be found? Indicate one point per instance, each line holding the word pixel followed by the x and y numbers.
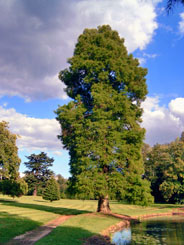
pixel 12 225
pixel 56 210
pixel 69 235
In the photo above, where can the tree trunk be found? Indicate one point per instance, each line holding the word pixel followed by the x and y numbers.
pixel 103 205
pixel 35 192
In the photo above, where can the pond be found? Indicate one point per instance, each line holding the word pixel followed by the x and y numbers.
pixel 159 230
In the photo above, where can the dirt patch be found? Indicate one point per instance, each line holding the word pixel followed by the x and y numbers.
pixel 147 216
pixel 117 227
pixel 120 216
pixel 33 236
pixel 98 240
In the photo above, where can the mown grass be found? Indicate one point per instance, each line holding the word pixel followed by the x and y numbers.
pixel 12 225
pixel 17 220
pixel 26 213
pixel 67 206
pixel 77 229
pixel 134 210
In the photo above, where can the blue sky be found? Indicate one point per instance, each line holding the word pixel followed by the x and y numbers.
pixel 36 39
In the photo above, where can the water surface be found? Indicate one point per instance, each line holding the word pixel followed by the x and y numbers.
pixel 160 230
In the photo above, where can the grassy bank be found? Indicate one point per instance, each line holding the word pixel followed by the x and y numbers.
pixel 26 213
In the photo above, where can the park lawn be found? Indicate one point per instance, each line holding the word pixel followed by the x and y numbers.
pixel 78 228
pixel 17 220
pixel 62 206
pixel 68 206
pixel 135 210
pixel 19 215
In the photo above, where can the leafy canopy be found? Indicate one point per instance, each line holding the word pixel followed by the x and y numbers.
pixel 165 169
pixel 38 171
pixel 9 160
pixel 101 125
pixel 14 188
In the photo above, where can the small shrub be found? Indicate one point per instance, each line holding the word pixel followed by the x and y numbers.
pixel 14 188
pixel 51 191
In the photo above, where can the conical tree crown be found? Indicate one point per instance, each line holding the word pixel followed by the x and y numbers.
pixel 51 191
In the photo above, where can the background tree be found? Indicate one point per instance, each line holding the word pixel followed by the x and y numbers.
pixel 62 182
pixel 9 160
pixel 10 183
pixel 146 148
pixel 101 126
pixel 38 172
pixel 165 169
pixel 51 191
pixel 156 163
pixel 14 188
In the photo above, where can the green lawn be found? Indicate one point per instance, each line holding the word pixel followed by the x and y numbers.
pixel 26 213
pixel 75 230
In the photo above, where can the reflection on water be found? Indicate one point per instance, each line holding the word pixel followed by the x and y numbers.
pixel 160 230
pixel 122 237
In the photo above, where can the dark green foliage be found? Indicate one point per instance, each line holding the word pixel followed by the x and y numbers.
pixel 14 188
pixel 101 126
pixel 9 160
pixel 137 191
pixel 62 182
pixel 51 192
pixel 38 172
pixel 165 169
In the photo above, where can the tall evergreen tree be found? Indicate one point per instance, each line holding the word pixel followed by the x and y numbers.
pixel 38 171
pixel 101 126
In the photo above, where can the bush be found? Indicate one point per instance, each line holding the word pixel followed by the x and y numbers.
pixel 14 188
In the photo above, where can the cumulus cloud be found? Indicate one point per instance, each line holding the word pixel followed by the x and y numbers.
pixel 37 37
pixel 181 23
pixel 35 133
pixel 163 124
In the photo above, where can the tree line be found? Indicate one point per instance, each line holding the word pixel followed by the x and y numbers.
pixel 38 179
pixel 164 168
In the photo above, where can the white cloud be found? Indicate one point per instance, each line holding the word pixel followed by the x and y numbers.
pixel 57 153
pixel 162 124
pixel 181 24
pixel 150 56
pixel 142 60
pixel 145 56
pixel 35 133
pixel 37 37
pixel 177 108
pixel 135 20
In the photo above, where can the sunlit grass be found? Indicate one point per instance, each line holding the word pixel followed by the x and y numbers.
pixel 19 215
pixel 77 229
pixel 17 220
pixel 134 210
